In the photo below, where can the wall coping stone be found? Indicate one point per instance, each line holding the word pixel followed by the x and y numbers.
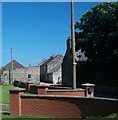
pixel 42 86
pixel 59 87
pixel 88 84
pixel 17 89
pixel 66 90
pixel 66 97
pixel 30 82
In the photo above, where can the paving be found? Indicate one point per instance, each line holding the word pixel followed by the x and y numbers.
pixel 4 109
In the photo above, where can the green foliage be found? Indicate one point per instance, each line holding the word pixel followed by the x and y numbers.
pixel 96 73
pixel 97 35
pixel 98 32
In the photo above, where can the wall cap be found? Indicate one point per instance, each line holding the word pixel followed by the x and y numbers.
pixel 29 82
pixel 59 87
pixel 66 90
pixel 66 97
pixel 17 89
pixel 88 84
pixel 42 86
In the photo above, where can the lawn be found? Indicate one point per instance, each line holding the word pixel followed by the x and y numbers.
pixel 10 117
pixel 4 92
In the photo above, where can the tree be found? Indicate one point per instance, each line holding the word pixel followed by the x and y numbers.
pixel 97 32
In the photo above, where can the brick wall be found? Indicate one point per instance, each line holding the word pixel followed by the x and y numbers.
pixel 61 106
pixel 44 90
pixel 66 106
pixel 66 92
pixel 15 101
pixel 48 106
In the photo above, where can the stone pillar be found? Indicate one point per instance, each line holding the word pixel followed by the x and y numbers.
pixel 41 89
pixel 89 89
pixel 15 101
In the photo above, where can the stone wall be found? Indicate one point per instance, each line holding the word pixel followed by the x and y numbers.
pixel 21 74
pixel 5 77
pixel 57 76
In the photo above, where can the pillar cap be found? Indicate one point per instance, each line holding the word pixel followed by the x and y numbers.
pixel 30 82
pixel 42 86
pixel 17 89
pixel 88 84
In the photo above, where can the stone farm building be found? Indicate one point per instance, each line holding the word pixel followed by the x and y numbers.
pixel 50 71
pixel 47 71
pixel 6 75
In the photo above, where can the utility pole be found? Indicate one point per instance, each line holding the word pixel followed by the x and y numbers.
pixel 11 81
pixel 73 45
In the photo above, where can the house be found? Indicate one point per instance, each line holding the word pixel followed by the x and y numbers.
pixel 67 79
pixel 50 70
pixel 15 65
pixel 67 66
pixel 8 71
pixel 30 73
pixel 20 73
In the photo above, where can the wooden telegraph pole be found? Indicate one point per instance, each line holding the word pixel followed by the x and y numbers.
pixel 73 45
pixel 11 80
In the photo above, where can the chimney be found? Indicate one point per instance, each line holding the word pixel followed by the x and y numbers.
pixel 53 55
pixel 30 65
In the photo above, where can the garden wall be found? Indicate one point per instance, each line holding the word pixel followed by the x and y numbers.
pixel 60 106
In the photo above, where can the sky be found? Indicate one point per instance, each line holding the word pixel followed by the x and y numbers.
pixel 36 30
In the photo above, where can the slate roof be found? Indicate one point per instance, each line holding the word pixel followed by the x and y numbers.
pixel 42 63
pixel 57 58
pixel 15 65
pixel 48 61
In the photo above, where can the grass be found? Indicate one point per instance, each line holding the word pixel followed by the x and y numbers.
pixel 5 93
pixel 11 117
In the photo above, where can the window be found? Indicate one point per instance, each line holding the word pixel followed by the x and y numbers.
pixel 29 75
